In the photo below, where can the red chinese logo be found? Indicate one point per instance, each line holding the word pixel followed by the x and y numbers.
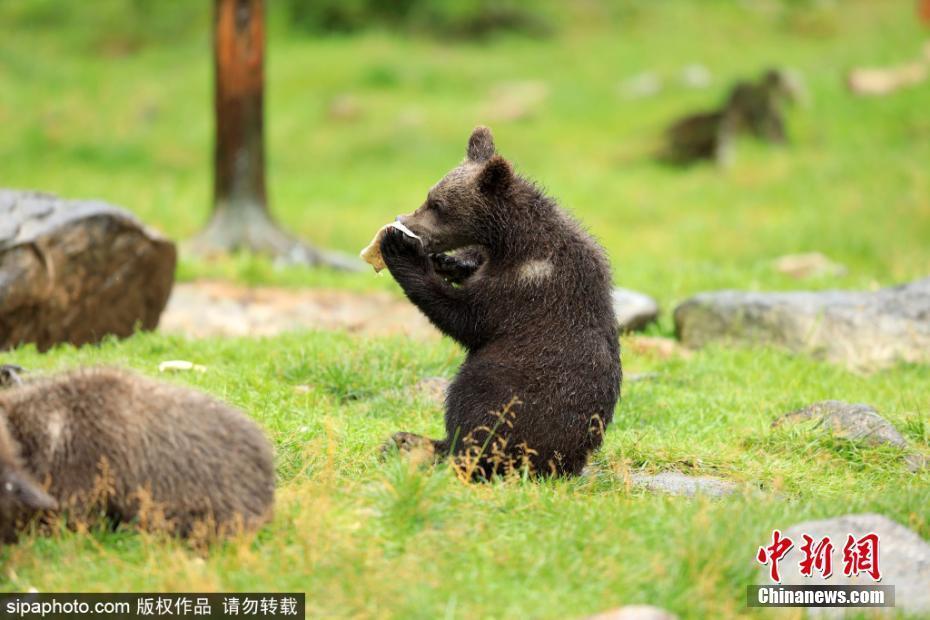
pixel 819 557
pixel 773 553
pixel 861 556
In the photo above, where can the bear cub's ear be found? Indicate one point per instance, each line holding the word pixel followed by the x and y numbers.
pixel 495 177
pixel 480 145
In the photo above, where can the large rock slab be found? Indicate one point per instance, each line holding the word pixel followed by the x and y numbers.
pixel 860 329
pixel 903 558
pixel 634 310
pixel 76 271
pixel 673 483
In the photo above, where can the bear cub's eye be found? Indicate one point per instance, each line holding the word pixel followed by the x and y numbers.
pixel 436 205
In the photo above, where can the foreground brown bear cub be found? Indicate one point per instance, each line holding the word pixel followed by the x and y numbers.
pixel 107 442
pixel 527 293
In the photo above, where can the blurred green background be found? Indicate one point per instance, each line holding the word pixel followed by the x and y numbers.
pixel 368 103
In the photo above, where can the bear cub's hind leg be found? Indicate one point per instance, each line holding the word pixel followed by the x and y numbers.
pixel 416 447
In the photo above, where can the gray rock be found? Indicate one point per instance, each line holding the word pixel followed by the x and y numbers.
pixel 696 76
pixel 634 310
pixel 860 329
pixel 345 107
pixel 916 461
pixel 76 271
pixel 638 377
pixel 674 483
pixel 635 612
pixel 641 85
pixel 903 557
pixel 855 422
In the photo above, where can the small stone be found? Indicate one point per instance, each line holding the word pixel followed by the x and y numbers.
pixel 674 483
pixel 641 85
pixel 635 612
pixel 916 462
pixel 696 76
pixel 808 265
pixel 903 557
pixel 344 108
pixel 634 310
pixel 855 422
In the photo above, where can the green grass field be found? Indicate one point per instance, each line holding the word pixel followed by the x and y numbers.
pixel 369 539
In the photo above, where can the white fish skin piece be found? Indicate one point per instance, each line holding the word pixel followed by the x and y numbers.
pixel 371 254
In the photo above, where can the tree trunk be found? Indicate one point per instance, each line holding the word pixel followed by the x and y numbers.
pixel 239 155
pixel 240 219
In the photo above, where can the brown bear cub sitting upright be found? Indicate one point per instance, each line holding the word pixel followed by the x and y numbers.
pixel 527 292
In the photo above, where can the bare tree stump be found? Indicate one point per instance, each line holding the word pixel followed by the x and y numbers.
pixel 241 219
pixel 76 271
